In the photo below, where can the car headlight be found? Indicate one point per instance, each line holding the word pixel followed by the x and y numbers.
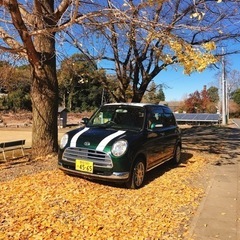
pixel 119 148
pixel 64 141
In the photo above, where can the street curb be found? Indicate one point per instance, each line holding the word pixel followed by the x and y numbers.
pixel 200 207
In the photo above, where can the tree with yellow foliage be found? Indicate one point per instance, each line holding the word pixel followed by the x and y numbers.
pixel 140 39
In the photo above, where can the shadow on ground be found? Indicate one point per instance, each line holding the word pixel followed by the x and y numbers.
pixel 153 174
pixel 224 141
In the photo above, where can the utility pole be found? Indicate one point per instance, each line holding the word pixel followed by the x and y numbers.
pixel 224 92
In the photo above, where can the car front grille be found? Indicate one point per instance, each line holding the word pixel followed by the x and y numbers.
pixel 99 159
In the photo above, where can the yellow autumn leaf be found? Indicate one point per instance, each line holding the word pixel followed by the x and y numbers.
pixel 52 205
pixel 209 46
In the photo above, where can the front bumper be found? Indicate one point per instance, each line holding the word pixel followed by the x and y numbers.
pixel 114 177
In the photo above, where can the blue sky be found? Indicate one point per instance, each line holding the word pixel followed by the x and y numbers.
pixel 180 85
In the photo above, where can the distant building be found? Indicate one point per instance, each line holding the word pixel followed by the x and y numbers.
pixel 173 105
pixel 62 117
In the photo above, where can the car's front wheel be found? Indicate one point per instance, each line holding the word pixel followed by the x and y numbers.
pixel 137 175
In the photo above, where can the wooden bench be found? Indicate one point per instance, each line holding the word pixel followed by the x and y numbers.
pixel 12 145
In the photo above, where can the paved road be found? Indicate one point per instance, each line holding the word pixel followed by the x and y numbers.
pixel 9 134
pixel 236 121
pixel 218 216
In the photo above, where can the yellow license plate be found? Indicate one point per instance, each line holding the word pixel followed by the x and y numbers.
pixel 84 166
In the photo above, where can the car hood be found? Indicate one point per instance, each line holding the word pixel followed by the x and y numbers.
pixel 94 138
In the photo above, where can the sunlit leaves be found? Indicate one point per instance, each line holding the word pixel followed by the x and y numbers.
pixel 198 15
pixel 191 58
pixel 209 46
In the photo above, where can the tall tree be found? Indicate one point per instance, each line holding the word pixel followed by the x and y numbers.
pixel 236 96
pixel 79 83
pixel 204 99
pixel 40 52
pixel 213 94
pixel 233 81
pixel 202 102
pixel 143 38
pixel 28 29
pixel 17 85
pixel 5 74
pixel 154 94
pixel 193 104
pixel 160 94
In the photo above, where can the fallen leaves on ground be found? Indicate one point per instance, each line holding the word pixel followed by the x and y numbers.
pixel 53 205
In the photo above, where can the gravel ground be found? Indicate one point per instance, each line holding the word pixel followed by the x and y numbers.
pixel 23 166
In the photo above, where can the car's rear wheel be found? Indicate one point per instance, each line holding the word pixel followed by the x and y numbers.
pixel 177 155
pixel 137 175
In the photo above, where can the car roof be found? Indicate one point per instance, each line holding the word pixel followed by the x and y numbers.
pixel 133 104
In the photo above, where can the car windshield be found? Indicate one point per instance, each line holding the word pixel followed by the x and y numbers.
pixel 119 117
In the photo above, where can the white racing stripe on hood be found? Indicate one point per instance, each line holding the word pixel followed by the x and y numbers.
pixel 107 139
pixel 76 136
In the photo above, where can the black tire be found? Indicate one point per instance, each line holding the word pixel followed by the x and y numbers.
pixel 137 175
pixel 177 155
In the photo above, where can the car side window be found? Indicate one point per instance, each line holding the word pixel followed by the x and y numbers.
pixel 155 118
pixel 159 117
pixel 169 120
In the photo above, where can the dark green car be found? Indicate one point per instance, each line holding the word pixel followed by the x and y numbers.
pixel 121 142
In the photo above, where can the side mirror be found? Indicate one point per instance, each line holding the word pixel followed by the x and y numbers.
pixel 84 120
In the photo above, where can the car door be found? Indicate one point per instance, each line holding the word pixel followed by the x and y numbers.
pixel 171 133
pixel 155 144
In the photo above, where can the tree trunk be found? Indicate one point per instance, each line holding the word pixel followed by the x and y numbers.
pixel 138 92
pixel 44 95
pixel 137 97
